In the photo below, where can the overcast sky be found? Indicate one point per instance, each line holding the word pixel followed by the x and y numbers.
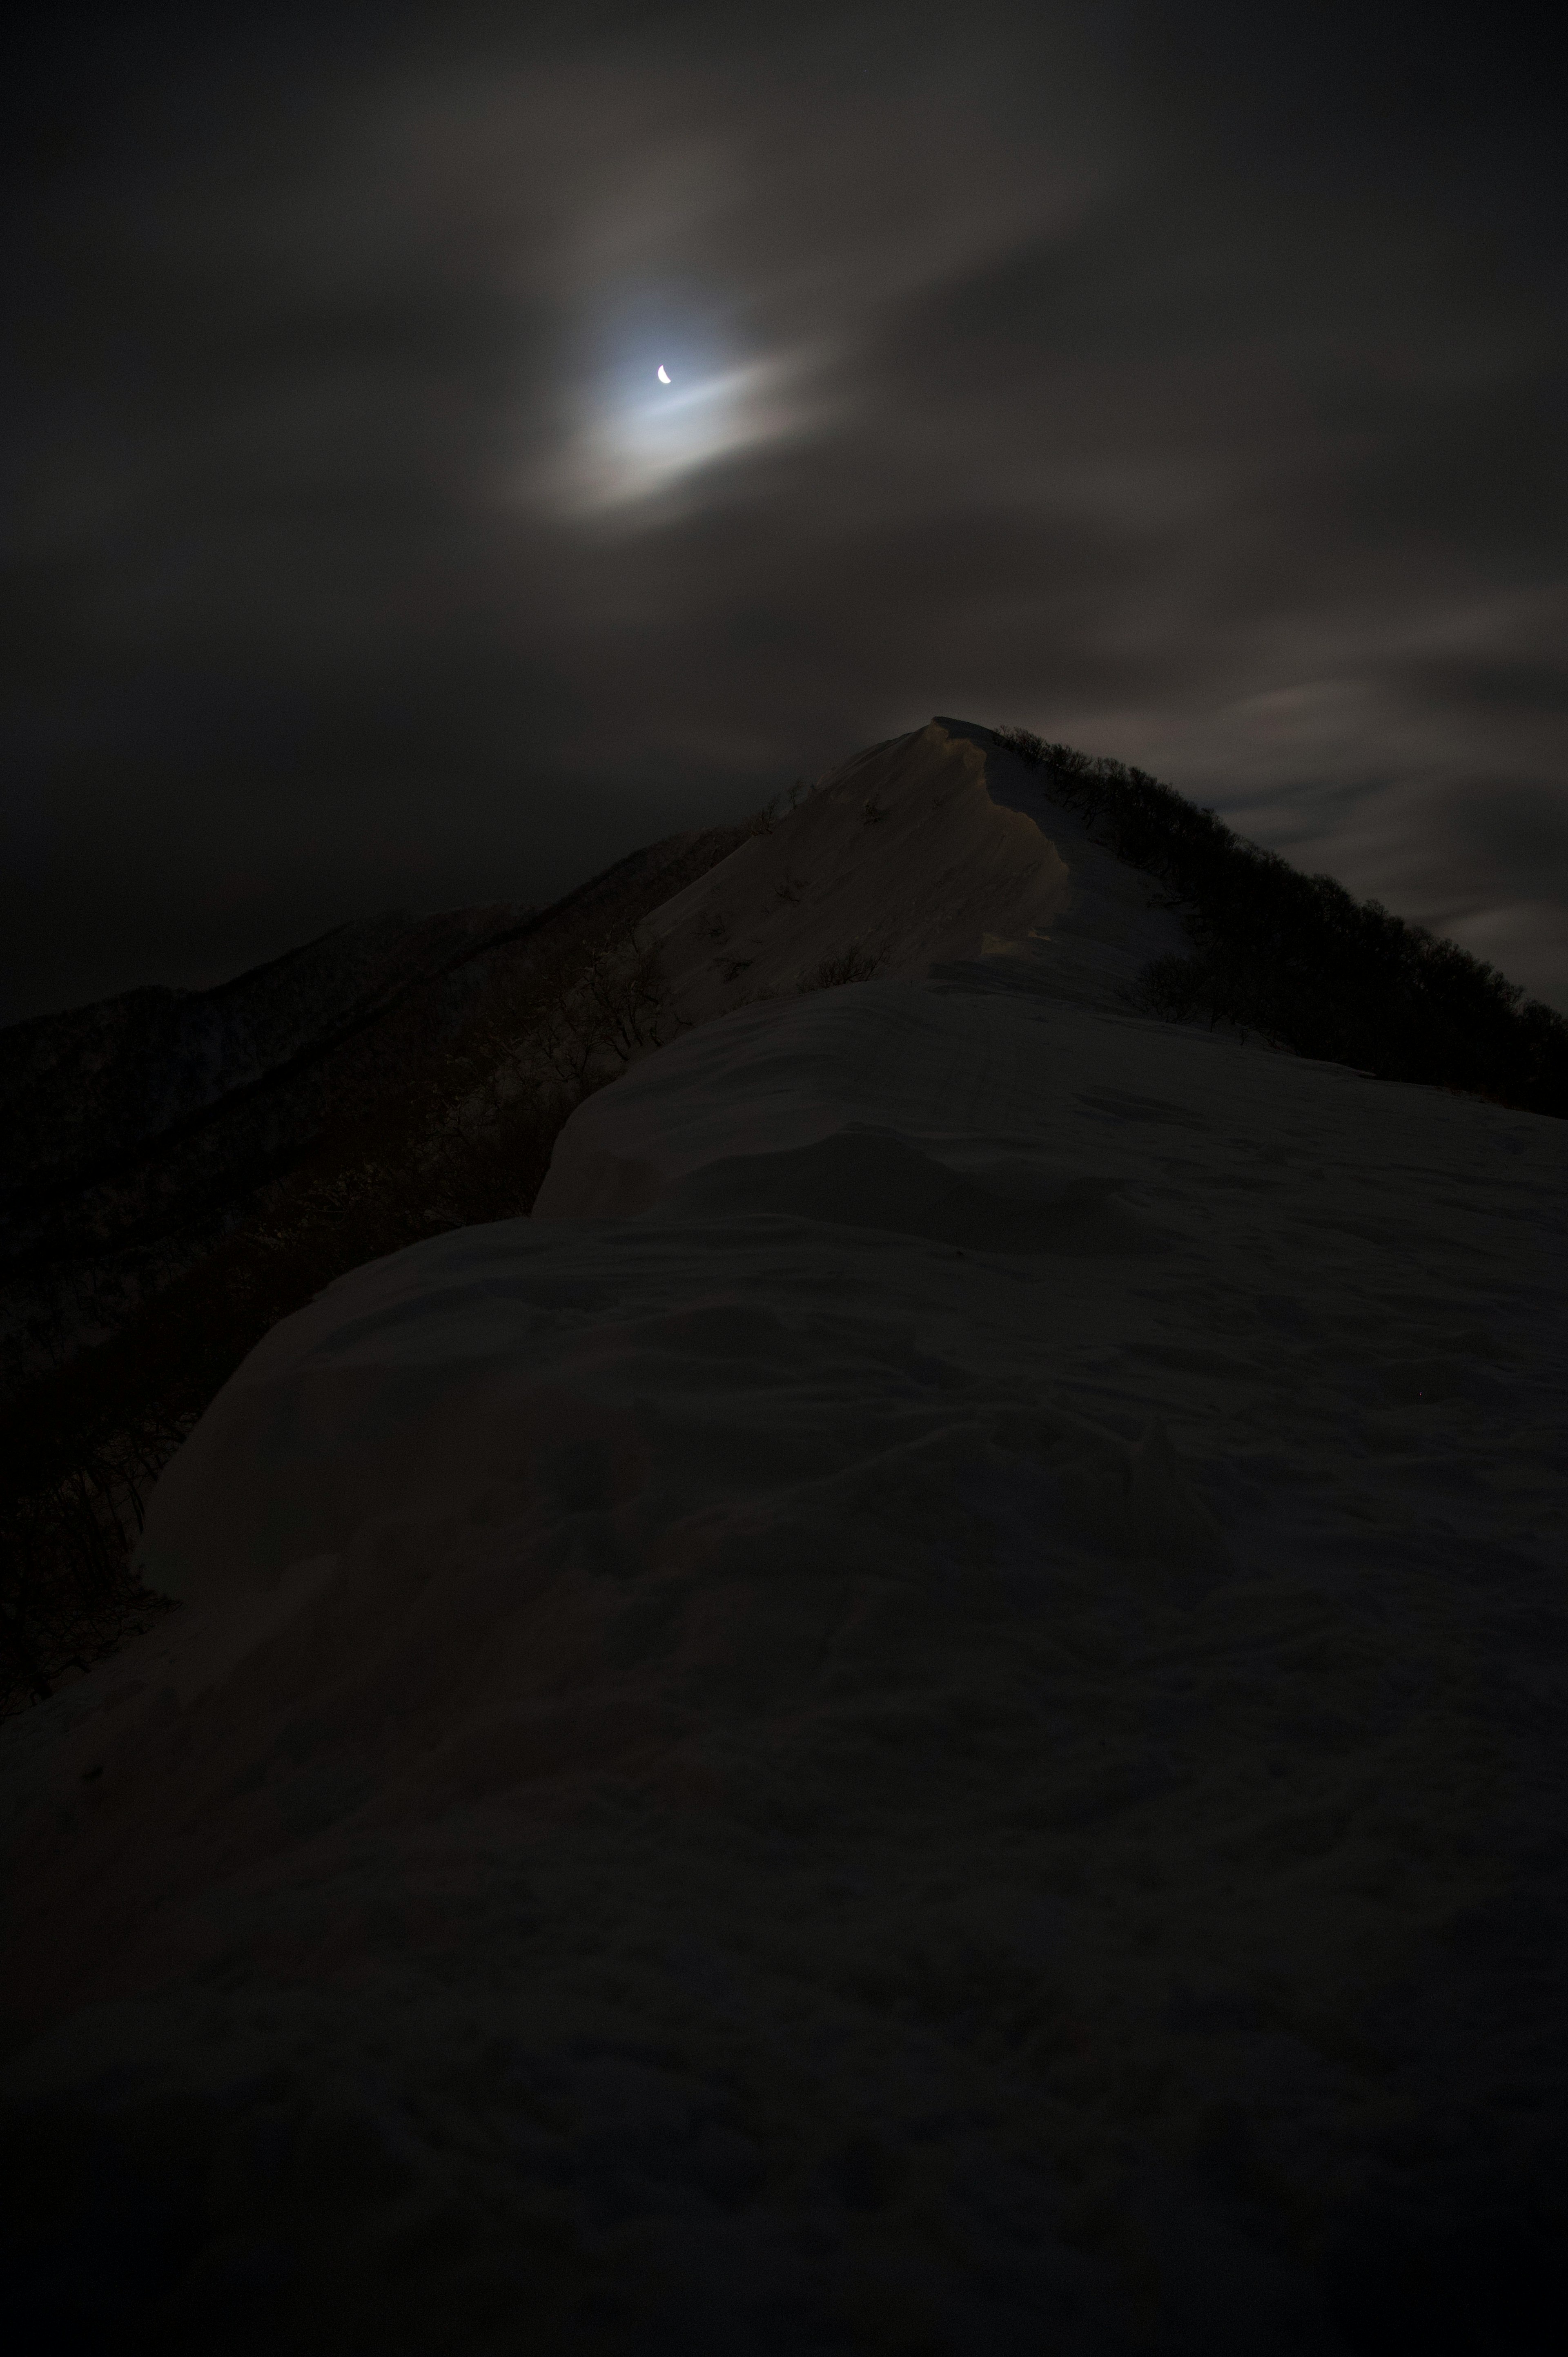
pixel 1187 382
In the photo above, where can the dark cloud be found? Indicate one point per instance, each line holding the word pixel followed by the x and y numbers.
pixel 1182 382
pixel 1484 687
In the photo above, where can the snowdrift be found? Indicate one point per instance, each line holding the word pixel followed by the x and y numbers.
pixel 926 1715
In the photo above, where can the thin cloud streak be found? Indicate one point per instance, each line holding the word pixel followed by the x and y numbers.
pixel 1020 369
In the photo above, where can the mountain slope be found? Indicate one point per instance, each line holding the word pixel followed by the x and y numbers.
pixel 937 848
pixel 959 1722
pixel 186 1168
pixel 926 1713
pixel 141 1130
pixel 132 1292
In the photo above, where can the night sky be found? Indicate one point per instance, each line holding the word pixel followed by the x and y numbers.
pixel 1185 382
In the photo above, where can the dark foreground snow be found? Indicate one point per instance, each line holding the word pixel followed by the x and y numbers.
pixel 944 1733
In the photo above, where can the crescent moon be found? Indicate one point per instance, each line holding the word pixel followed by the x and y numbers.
pixel 664 373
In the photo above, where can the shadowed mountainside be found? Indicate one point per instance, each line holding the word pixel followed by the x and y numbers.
pixel 140 1131
pixel 186 1168
pixel 233 1151
pixel 1298 960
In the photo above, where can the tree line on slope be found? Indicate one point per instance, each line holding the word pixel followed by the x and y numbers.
pixel 465 1137
pixel 1297 959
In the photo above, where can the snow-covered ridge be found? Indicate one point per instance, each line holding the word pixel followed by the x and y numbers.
pixel 937 848
pixel 931 1706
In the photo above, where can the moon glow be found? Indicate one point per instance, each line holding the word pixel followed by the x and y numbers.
pixel 644 432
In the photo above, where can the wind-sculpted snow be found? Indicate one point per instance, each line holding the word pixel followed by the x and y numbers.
pixel 937 848
pixel 926 1715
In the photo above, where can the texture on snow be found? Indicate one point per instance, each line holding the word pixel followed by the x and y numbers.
pixel 926 1715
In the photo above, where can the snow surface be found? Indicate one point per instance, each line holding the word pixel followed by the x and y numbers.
pixel 937 848
pixel 926 1716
